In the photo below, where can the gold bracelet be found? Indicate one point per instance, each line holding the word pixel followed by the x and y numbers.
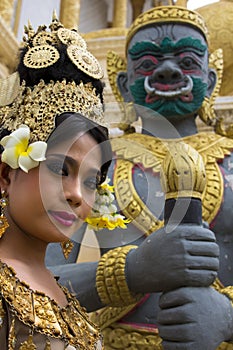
pixel 111 283
pixel 228 291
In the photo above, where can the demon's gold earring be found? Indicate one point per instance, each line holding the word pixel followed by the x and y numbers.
pixel 3 220
pixel 67 247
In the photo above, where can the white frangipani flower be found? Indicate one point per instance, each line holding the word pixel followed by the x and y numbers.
pixel 18 153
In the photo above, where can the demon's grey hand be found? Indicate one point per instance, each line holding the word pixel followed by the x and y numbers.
pixel 188 256
pixel 194 319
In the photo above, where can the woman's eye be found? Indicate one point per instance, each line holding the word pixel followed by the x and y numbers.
pixel 91 183
pixel 58 168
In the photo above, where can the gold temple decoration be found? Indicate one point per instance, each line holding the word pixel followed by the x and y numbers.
pixel 218 17
pixel 120 13
pixel 6 10
pixel 69 13
pixel 137 7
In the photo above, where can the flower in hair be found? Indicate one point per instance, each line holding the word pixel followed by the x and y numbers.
pixel 18 153
pixel 104 212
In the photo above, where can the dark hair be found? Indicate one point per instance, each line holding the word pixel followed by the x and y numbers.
pixel 70 124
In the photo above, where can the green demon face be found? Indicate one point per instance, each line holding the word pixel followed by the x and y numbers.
pixel 168 69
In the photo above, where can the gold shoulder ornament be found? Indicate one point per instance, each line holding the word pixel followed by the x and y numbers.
pixel 149 151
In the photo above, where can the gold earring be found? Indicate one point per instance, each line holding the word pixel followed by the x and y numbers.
pixel 67 247
pixel 3 220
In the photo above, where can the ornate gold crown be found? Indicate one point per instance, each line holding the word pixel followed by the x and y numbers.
pixel 42 52
pixel 38 106
pixel 167 14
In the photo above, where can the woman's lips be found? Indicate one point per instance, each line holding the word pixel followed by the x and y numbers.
pixel 64 218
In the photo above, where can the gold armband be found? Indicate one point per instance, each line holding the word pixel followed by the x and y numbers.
pixel 111 283
pixel 228 291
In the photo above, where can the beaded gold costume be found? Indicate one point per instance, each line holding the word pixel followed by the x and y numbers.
pixel 31 319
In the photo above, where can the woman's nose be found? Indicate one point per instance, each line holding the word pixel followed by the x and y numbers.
pixel 73 194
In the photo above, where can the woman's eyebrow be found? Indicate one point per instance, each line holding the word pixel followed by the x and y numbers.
pixel 71 161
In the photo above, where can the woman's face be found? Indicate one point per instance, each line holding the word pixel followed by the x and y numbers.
pixel 53 199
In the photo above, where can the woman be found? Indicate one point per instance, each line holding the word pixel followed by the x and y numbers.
pixel 53 160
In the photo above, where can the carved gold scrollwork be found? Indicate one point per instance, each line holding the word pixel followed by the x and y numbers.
pixel 150 152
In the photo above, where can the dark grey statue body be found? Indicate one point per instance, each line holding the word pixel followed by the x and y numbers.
pixel 182 265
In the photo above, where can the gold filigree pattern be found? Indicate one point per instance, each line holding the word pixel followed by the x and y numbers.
pixel 84 61
pixel 38 107
pixel 35 309
pixel 45 38
pixel 41 56
pixel 150 152
pixel 71 37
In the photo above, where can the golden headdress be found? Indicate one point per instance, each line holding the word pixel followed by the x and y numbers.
pixel 163 14
pixel 37 106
